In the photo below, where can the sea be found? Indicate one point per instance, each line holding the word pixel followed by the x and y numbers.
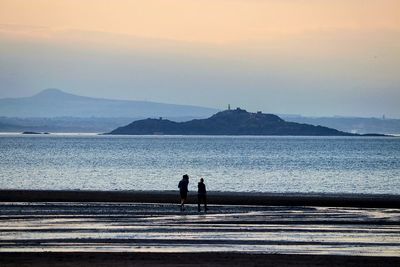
pixel 362 165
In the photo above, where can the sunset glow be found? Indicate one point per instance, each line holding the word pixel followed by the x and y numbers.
pixel 182 50
pixel 209 21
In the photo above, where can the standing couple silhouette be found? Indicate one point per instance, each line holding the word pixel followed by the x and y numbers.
pixel 201 192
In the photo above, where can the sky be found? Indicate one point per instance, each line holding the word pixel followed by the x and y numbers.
pixel 309 57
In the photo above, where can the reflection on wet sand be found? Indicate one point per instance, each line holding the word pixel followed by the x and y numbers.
pixel 112 227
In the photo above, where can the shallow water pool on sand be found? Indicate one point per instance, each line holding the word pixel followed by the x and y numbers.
pixel 119 227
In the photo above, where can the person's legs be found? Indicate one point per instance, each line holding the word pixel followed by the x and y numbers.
pixel 183 203
pixel 183 200
pixel 198 202
pixel 201 198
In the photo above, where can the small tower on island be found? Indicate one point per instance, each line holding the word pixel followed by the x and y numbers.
pixel 229 106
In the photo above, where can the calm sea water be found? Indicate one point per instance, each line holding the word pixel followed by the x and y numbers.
pixel 262 164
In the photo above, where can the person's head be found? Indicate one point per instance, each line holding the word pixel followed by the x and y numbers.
pixel 201 180
pixel 186 177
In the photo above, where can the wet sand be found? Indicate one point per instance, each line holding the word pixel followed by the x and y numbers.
pixel 88 233
pixel 221 198
pixel 130 227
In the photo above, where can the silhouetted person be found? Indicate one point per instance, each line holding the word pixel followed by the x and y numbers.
pixel 183 190
pixel 201 195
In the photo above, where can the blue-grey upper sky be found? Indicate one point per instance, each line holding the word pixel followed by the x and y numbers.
pixel 340 58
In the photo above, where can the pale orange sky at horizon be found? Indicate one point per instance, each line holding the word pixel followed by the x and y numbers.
pixel 206 21
pixel 331 57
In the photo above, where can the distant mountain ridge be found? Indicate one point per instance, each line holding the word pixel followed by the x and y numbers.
pixel 56 103
pixel 53 110
pixel 352 124
pixel 228 122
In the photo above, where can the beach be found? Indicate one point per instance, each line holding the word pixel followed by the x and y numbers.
pixel 114 232
pixel 220 198
pixel 117 118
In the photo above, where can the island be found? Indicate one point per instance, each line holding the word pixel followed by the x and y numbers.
pixel 228 122
pixel 30 132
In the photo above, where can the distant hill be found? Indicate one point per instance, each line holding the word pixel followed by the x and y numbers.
pixel 69 124
pixel 228 122
pixel 53 110
pixel 352 124
pixel 62 124
pixel 52 103
pixel 5 127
